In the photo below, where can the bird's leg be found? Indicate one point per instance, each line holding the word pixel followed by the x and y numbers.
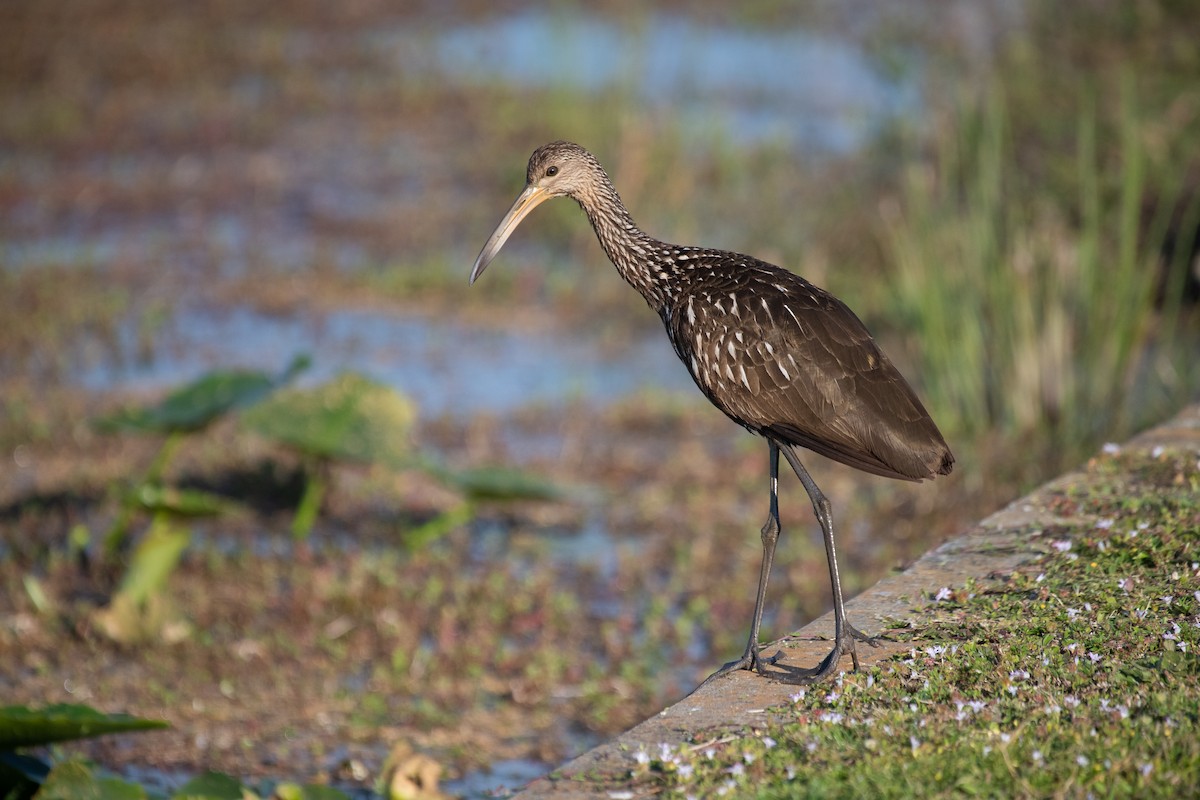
pixel 770 536
pixel 844 633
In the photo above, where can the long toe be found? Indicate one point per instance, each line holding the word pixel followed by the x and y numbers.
pixel 873 641
pixel 752 659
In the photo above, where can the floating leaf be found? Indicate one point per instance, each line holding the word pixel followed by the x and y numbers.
pixel 294 791
pixel 350 417
pixel 21 726
pixel 425 533
pixel 210 786
pixel 74 780
pixel 199 403
pixel 498 483
pixel 183 502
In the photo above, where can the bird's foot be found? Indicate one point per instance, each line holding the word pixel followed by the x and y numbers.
pixel 752 659
pixel 873 641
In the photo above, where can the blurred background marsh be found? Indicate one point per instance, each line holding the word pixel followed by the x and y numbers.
pixel 271 472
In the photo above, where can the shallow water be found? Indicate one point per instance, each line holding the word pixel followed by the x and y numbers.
pixel 448 368
pixel 818 93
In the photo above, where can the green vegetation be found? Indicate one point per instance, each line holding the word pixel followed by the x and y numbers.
pixel 1075 675
pixel 1032 309
pixel 25 776
pixel 1023 254
pixel 350 418
pixel 187 410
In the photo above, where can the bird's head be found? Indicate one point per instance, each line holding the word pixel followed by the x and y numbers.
pixel 558 169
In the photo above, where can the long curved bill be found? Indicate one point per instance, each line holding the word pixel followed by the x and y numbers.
pixel 531 198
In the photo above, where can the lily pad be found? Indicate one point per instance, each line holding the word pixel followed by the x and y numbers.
pixel 210 786
pixel 199 403
pixel 351 417
pixel 181 502
pixel 21 726
pixel 74 780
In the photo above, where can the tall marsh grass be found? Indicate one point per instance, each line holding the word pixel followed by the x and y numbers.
pixel 1033 312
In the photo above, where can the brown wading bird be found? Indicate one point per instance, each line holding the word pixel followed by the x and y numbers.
pixel 780 356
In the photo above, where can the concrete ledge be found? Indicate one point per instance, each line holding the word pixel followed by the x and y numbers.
pixel 1001 542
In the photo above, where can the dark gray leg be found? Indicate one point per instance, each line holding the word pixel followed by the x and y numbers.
pixel 844 634
pixel 770 536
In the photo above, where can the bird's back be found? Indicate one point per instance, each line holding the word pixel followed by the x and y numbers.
pixel 788 360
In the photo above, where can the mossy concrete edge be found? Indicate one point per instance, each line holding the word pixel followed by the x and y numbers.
pixel 1000 543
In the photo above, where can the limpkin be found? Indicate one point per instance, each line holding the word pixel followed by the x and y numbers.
pixel 778 355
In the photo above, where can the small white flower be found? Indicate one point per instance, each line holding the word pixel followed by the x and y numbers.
pixel 1062 545
pixel 1081 760
pixel 768 742
pixel 1157 451
pixel 1104 523
pixel 943 593
pixel 798 696
pixel 642 757
pixel 1037 756
pixel 1147 768
pixel 1111 448
pixel 1071 700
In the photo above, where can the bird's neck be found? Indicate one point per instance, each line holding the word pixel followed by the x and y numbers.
pixel 634 253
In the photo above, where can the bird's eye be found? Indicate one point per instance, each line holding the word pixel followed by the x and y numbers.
pixel 551 171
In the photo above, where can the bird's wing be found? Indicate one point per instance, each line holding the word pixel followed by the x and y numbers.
pixel 788 360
